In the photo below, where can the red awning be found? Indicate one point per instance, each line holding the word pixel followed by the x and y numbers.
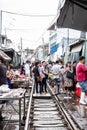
pixel 4 56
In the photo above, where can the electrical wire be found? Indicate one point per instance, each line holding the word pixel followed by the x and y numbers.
pixel 28 15
pixel 23 29
pixel 32 15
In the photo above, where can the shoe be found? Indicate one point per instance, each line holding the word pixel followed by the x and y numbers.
pixel 82 99
pixel 43 92
pixel 58 93
pixel 61 90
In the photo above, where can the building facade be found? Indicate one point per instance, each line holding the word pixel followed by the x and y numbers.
pixel 42 52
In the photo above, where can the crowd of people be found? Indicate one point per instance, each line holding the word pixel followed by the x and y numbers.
pixel 57 73
pixel 63 78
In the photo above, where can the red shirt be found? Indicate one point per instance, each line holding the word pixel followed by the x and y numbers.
pixel 81 72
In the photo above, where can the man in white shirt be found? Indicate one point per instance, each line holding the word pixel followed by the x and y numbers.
pixel 56 72
pixel 27 69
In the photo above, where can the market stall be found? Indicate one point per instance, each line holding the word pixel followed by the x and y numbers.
pixel 17 80
pixel 9 96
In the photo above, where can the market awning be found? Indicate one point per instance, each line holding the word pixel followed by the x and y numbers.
pixel 4 56
pixel 76 49
pixel 73 15
pixel 76 42
pixel 52 27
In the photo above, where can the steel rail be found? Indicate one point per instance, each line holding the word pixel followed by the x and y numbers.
pixel 29 108
pixel 72 124
pixel 74 118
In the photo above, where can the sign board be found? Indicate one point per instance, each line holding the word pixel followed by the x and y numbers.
pixel 53 43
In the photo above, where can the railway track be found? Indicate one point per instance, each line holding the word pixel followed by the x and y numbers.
pixel 48 113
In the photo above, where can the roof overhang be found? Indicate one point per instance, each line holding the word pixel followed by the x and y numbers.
pixel 73 15
pixel 9 50
pixel 78 41
pixel 52 27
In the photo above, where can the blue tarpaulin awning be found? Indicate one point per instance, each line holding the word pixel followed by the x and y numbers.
pixel 54 49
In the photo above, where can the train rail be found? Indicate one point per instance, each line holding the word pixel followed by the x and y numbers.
pixel 46 112
pixel 71 122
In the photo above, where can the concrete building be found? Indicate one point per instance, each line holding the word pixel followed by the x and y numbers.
pixel 42 52
pixel 65 42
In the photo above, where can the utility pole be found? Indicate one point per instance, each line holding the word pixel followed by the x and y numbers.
pixel 0 28
pixel 21 51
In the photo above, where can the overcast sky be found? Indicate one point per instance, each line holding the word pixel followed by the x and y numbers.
pixel 29 28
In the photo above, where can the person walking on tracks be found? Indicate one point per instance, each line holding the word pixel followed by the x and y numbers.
pixel 37 77
pixel 43 75
pixel 27 69
pixel 69 77
pixel 81 74
pixel 56 72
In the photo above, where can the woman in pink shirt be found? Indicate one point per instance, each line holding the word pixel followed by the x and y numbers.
pixel 81 75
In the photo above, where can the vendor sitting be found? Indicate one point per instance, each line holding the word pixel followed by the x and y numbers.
pixel 3 77
pixel 10 74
